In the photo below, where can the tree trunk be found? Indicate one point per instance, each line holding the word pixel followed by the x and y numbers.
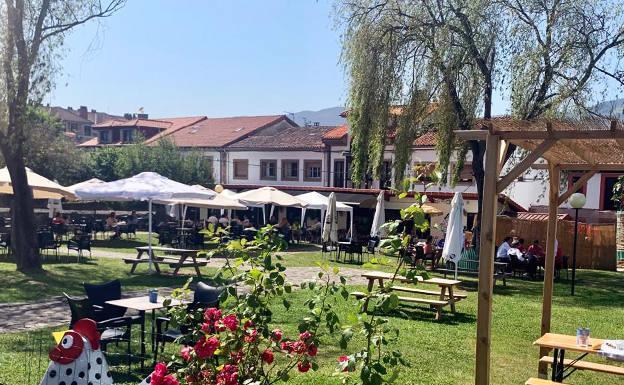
pixel 23 224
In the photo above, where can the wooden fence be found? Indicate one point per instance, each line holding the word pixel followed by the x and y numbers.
pixel 595 245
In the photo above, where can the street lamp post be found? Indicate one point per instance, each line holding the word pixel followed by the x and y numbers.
pixel 576 201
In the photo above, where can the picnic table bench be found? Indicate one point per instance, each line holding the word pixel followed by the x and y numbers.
pixel 562 367
pixel 175 258
pixel 446 295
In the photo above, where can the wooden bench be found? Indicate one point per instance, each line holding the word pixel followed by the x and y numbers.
pixel 431 302
pixel 539 381
pixel 135 262
pixel 427 292
pixel 586 365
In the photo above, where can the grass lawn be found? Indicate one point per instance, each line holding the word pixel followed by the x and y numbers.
pixel 68 277
pixel 439 352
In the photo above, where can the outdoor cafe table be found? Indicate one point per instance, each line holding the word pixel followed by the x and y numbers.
pixel 175 258
pixel 446 296
pixel 562 368
pixel 142 305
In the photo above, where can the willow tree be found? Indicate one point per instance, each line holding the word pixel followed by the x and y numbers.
pixel 31 31
pixel 434 58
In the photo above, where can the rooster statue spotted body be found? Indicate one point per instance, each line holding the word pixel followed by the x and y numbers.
pixel 77 359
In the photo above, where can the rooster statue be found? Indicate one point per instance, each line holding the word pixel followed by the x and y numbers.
pixel 77 359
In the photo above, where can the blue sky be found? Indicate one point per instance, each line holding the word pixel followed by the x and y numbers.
pixel 215 58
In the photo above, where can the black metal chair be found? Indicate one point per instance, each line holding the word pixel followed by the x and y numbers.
pixel 98 227
pixel 99 294
pixel 80 243
pixel 5 242
pixel 113 330
pixel 46 241
pixel 205 296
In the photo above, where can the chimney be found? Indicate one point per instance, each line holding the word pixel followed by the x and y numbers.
pixel 317 124
pixel 83 112
pixel 93 111
pixel 70 109
pixel 127 116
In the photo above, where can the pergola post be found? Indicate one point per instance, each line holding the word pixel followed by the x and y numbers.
pixel 486 261
pixel 549 267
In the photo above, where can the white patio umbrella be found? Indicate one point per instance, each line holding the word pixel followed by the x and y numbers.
pixel 146 186
pixel 330 224
pixel 92 181
pixel 380 216
pixel 42 187
pixel 454 239
pixel 269 196
pixel 317 201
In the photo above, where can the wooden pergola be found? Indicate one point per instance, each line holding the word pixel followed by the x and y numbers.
pixel 590 146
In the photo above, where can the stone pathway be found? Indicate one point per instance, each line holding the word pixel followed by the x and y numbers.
pixel 16 317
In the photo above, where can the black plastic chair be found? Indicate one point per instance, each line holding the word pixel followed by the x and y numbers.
pixel 5 242
pixel 113 330
pixel 99 294
pixel 46 241
pixel 205 296
pixel 80 243
pixel 98 227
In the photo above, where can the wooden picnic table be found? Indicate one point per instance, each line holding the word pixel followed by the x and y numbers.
pixel 142 304
pixel 175 258
pixel 562 367
pixel 446 295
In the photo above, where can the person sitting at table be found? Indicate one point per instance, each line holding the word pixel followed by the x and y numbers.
pixel 537 252
pixel 224 221
pixel 273 220
pixel 284 228
pixel 503 249
pixel 58 219
pixel 519 244
pixel 236 221
pixel 112 225
pixel 246 222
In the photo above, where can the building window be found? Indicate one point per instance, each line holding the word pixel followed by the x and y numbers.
pixel 339 175
pixel 312 170
pixel 87 130
pixel 268 169
pixel 104 138
pixel 73 127
pixel 126 135
pixel 385 179
pixel 290 169
pixel 606 191
pixel 241 168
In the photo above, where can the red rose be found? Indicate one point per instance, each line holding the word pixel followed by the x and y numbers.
pixel 312 350
pixel 185 353
pixel 170 380
pixel 267 356
pixel 300 347
pixel 160 369
pixel 344 362
pixel 287 346
pixel 276 335
pixel 303 366
pixel 305 336
pixel 212 314
pixel 251 336
pixel 343 358
pixel 231 322
pixel 206 327
pixel 205 347
pixel 248 324
pixel 236 357
pixel 228 375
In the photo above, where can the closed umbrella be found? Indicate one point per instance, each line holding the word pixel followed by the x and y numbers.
pixel 380 216
pixel 454 239
pixel 330 223
pixel 42 187
pixel 146 186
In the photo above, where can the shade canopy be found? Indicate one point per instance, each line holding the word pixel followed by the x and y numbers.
pixel 330 224
pixel 89 182
pixel 218 202
pixel 380 217
pixel 318 201
pixel 142 187
pixel 269 196
pixel 42 187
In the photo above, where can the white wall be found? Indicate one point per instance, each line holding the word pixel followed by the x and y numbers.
pixel 254 158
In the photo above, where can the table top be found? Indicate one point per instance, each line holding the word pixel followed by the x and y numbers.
pixel 436 281
pixel 167 249
pixel 143 303
pixel 566 342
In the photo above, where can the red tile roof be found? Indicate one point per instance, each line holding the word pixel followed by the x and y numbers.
pixel 427 139
pixel 219 132
pixel 337 132
pixel 294 138
pixel 163 124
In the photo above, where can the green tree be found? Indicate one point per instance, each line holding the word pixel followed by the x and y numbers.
pixel 31 31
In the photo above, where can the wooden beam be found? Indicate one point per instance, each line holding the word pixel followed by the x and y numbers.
pixel 549 267
pixel 504 145
pixel 486 265
pixel 575 187
pixel 535 135
pixel 579 151
pixel 524 164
